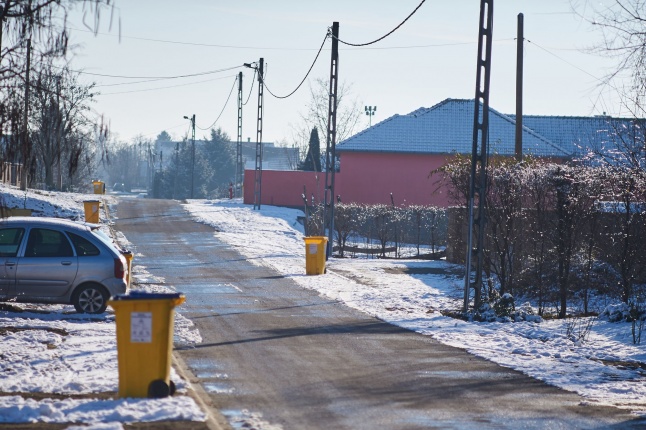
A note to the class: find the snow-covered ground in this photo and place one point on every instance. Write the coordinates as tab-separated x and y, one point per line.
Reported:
60	352
55	361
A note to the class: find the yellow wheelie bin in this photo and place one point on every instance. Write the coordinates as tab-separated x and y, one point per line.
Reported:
129	257
99	187
91	208
145	342
315	255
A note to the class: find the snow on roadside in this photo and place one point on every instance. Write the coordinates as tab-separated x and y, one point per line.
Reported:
387	290
50	349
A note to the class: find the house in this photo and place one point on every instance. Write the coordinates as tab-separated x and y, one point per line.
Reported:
393	161
274	157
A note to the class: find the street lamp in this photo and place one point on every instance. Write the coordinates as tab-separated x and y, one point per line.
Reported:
370	111
192	119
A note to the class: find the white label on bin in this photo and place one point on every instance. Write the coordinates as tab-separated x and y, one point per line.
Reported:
313	248
141	327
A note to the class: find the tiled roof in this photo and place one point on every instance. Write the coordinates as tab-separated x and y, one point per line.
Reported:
577	135
448	128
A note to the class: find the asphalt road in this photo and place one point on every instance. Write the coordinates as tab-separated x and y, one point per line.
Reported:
305	362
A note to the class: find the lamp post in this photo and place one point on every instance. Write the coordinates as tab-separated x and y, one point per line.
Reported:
370	111
192	119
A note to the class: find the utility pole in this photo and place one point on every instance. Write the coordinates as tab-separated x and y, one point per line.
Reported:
258	177
26	153
176	170
192	119
520	39
330	153
478	183
193	157
239	166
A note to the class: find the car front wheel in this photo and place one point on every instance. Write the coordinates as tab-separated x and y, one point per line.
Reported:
90	299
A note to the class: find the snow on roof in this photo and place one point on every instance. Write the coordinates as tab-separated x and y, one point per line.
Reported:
447	128
579	134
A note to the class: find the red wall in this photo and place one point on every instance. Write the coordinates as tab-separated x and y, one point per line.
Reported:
364	178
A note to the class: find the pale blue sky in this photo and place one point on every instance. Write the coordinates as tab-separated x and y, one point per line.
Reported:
432	57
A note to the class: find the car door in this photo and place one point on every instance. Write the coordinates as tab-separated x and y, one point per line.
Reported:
10	240
48	265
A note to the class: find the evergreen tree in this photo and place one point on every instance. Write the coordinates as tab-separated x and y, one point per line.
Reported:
163	137
313	160
216	165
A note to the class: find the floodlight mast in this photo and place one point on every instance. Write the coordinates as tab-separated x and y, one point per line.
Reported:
478	183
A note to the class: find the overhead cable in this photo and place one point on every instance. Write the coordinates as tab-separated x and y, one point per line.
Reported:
207	45
166	87
306	75
567	62
210	72
225	105
387	34
253	81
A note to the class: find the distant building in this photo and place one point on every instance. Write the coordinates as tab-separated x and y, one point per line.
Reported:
273	157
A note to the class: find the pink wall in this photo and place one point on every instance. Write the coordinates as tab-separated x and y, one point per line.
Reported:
371	177
284	187
364	178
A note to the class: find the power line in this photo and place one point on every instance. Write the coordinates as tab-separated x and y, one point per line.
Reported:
165	129
274	48
603	82
129	83
224	107
306	75
210	45
387	34
567	62
210	72
166	87
207	45
253	82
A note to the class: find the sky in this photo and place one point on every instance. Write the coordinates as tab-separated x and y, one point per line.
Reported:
428	59
39	359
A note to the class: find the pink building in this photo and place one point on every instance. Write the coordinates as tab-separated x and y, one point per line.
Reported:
398	154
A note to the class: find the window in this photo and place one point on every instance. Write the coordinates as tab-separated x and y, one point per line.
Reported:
84	248
10	239
48	243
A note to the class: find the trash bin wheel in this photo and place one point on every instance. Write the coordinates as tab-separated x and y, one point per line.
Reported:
158	389
173	388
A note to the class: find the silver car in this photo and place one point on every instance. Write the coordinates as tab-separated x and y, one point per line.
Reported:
52	260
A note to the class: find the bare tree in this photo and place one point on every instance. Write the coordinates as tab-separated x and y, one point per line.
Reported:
59	104
622	24
316	115
39	27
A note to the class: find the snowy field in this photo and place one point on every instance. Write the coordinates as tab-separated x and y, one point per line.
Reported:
65	358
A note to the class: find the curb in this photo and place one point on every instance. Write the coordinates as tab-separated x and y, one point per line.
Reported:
214	418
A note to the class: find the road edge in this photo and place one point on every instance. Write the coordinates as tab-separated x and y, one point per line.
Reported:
215	420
